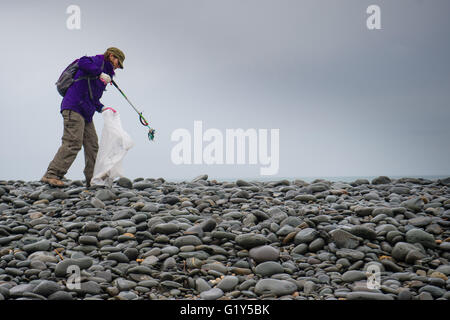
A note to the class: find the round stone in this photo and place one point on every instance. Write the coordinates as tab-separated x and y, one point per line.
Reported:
353	275
42	245
104	195
316	245
88	287
445	246
414	204
275	287
125	183
401	250
264	253
436	292
46	288
363	295
363	232
405	294
118	256
211	294
124	285
187	240
250	240
202	285
171	200
228	283
63	266
107	233
268	268
381	180
420	221
352	255
60	295
88	240
165	228
305	236
420	236
97	203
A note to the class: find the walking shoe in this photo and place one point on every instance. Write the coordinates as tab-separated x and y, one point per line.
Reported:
53	182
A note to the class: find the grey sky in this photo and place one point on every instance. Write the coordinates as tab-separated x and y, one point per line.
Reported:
348	101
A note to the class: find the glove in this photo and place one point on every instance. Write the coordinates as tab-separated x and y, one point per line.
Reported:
105	78
108	108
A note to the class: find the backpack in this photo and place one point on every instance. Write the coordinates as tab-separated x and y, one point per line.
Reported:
66	79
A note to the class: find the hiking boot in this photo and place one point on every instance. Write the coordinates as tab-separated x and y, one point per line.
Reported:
53	182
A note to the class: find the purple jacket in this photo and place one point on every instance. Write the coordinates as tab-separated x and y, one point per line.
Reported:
77	97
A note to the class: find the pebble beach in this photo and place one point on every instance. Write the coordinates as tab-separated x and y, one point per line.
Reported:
147	239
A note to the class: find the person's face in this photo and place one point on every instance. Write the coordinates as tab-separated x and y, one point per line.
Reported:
114	61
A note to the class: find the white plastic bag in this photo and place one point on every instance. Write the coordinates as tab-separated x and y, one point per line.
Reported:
114	145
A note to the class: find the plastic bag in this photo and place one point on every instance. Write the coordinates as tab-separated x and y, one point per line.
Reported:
114	145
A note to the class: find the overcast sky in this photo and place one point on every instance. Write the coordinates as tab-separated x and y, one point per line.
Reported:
348	101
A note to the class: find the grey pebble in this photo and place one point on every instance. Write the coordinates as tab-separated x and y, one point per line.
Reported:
211	294
353	275
264	253
42	245
268	268
228	283
61	269
107	233
202	285
250	240
363	295
46	288
187	240
419	236
60	295
275	287
305	236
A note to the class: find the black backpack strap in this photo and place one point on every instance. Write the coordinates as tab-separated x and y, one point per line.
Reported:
88	78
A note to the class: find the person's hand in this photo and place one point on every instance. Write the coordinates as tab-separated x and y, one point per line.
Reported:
105	78
108	108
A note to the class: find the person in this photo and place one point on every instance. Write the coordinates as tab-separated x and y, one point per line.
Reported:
78	107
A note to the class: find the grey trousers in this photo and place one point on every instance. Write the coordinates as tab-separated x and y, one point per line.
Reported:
77	133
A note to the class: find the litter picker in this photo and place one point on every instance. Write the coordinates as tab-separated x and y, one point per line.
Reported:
151	131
